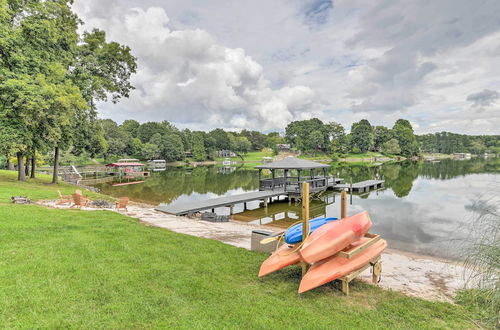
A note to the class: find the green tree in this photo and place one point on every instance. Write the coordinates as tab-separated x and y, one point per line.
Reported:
170	146
337	136
130	126
242	144
222	140
403	132
150	151
381	135
361	136
146	131
391	147
199	153
297	133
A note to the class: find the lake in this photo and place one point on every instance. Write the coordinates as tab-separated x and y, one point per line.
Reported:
425	207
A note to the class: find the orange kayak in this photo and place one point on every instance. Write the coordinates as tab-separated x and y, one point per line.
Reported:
334	236
335	267
286	255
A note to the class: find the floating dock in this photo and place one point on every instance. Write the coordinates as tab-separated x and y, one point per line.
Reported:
362	186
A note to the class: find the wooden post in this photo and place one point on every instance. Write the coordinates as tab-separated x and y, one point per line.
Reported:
343	204
305	219
350	190
272	185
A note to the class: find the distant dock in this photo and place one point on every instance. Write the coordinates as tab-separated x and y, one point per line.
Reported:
362	186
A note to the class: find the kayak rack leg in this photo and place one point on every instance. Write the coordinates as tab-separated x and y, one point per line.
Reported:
376	265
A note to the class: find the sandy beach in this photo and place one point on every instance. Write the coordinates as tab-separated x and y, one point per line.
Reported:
418	276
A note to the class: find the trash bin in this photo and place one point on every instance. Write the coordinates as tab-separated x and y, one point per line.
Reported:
257	236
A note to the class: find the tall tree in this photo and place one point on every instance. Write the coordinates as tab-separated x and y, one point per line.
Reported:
337	137
361	136
198	146
403	133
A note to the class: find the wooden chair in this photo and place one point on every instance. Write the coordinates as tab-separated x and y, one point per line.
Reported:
79	200
63	199
122	203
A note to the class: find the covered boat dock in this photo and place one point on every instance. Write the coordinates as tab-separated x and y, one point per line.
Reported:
288	185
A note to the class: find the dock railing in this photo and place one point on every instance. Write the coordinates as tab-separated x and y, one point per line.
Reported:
293	184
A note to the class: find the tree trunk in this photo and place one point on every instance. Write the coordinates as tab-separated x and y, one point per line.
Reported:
20	167
33	167
10	166
27	167
55	176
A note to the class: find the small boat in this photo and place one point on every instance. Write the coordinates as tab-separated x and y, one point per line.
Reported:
293	235
336	266
286	255
334	236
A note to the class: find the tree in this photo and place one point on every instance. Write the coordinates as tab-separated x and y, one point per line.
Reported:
170	146
362	136
241	144
130	126
150	151
316	140
337	137
382	135
198	147
297	133
391	147
222	141
403	132
146	131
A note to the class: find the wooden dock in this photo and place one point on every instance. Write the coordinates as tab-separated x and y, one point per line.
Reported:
226	201
263	195
362	186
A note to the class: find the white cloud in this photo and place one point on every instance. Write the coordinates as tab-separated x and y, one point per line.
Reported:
260	64
187	76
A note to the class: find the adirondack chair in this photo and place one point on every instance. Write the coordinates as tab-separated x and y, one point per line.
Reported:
79	200
63	199
122	203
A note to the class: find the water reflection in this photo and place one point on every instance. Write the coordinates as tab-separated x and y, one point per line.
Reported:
425	207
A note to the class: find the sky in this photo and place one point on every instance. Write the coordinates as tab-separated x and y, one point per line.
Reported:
260	64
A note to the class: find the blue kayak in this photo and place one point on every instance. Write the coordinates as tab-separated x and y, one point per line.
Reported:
294	234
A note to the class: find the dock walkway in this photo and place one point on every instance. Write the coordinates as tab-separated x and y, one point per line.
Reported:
362	186
229	201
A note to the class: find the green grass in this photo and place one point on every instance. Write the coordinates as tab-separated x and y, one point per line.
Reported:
99	269
36	189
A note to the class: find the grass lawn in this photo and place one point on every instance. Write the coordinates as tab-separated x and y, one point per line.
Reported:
99	269
36	189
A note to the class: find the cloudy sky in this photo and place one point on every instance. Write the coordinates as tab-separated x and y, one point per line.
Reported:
259	64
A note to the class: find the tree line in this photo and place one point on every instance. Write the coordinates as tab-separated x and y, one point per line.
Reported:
162	140
310	136
449	143
313	135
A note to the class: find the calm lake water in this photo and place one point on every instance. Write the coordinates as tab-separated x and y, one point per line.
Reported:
425	207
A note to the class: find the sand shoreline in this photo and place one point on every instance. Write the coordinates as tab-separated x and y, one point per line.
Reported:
425	277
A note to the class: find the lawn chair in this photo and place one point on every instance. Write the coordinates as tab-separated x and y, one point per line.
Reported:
63	199
79	200
122	203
